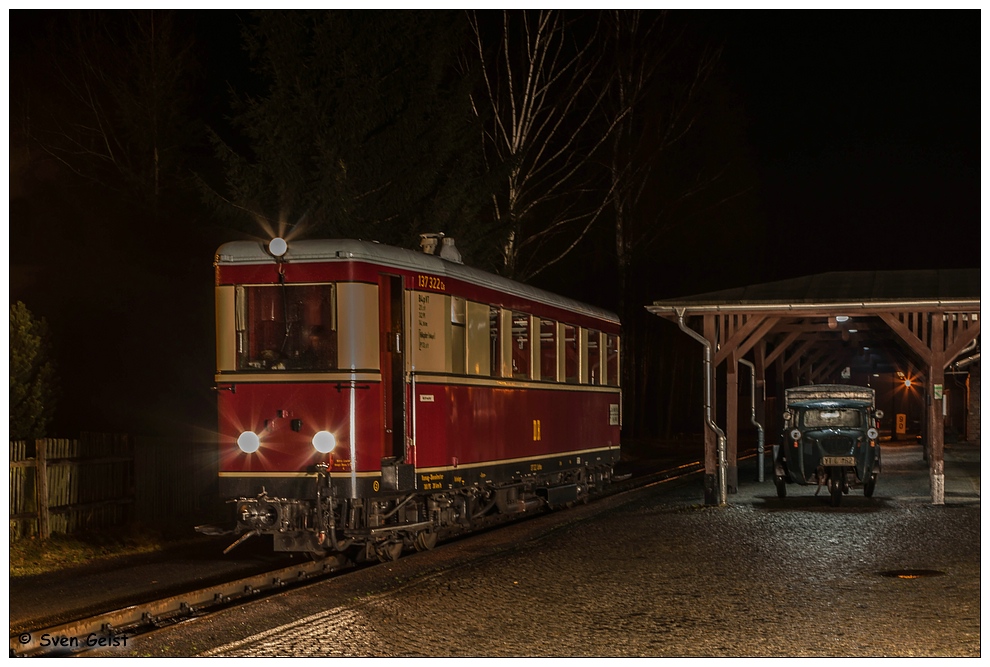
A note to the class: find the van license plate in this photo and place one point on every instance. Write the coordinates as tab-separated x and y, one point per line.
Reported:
838	461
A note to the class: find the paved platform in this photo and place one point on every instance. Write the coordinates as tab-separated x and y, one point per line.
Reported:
905	477
656	573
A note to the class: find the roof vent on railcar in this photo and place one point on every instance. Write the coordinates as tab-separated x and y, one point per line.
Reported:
447	250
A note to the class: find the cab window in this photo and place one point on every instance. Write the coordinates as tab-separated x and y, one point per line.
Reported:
285	327
832	418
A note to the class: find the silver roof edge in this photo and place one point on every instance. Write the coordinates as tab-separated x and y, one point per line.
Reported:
328	250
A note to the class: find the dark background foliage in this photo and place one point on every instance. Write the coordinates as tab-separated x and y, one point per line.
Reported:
140	141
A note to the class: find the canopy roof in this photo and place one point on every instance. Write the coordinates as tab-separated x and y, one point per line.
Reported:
819	328
945	288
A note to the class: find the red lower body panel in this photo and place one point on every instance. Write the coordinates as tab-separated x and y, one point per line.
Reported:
287	415
460	424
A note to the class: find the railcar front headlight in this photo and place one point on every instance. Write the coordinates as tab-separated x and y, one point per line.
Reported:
278	246
249	442
324	442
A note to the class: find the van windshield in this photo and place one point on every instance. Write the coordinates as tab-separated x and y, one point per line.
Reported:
832	418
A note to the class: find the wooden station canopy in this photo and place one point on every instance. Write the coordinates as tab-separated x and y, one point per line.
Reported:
809	329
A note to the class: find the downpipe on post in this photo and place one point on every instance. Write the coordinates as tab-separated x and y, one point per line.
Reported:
722	463
752	412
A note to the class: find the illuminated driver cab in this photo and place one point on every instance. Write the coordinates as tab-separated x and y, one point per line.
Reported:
290	410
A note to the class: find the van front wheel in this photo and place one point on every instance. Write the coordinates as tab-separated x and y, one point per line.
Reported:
870	486
835	488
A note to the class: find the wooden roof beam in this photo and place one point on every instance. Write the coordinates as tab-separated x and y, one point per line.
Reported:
745	338
962	339
781	348
797	354
908	337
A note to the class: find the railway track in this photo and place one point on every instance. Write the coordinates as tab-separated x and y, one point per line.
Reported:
114	629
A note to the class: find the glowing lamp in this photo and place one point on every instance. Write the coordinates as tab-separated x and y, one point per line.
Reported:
278	246
249	442
324	442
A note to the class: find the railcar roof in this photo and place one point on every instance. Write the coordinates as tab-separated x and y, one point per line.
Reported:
331	250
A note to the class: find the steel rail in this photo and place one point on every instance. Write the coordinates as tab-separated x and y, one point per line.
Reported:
114	628
110	628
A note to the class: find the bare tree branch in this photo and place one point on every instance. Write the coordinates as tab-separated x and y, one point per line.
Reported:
545	125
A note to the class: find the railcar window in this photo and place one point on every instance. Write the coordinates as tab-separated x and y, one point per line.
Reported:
286	327
478	339
496	348
612	352
548	350
572	352
832	418
521	351
458	335
594	357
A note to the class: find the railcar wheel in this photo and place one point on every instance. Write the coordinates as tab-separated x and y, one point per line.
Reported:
835	488
870	486
781	485
425	540
388	552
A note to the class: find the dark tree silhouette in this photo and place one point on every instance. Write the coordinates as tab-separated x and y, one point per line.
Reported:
33	388
360	128
119	113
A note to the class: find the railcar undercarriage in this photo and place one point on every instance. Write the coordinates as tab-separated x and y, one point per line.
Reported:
383	527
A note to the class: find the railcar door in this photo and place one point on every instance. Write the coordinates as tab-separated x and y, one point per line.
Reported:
393	382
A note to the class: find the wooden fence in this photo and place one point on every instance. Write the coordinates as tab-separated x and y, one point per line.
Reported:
99	481
63	486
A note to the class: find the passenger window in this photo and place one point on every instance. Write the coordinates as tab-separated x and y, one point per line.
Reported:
571	346
521	350
458	335
479	340
594	357
548	350
496	341
612	351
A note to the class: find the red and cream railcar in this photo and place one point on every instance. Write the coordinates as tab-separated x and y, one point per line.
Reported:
372	398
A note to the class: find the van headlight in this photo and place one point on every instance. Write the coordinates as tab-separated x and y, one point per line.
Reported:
324	442
872	434
249	442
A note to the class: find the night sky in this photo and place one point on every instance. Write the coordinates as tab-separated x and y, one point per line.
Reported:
858	132
864	125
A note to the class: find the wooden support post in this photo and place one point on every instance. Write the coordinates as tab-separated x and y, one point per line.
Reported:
711	438
732	422
41	484
936	418
759	363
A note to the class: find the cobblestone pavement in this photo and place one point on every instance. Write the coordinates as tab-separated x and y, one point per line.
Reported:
656	574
